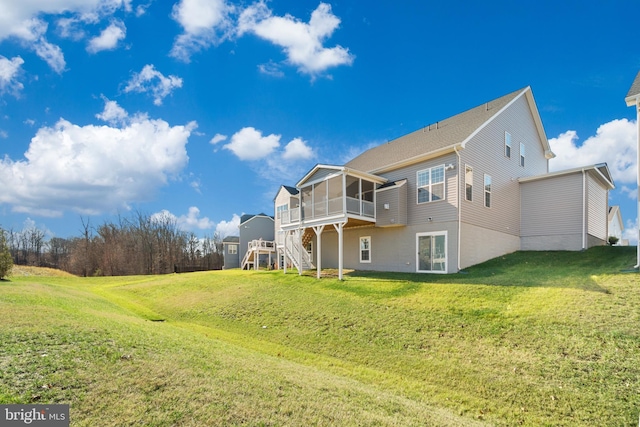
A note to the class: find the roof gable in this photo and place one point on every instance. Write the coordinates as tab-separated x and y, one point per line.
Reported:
323	171
444	136
614	213
292	191
246	217
634	92
600	171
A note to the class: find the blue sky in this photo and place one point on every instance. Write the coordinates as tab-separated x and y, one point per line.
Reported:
202	108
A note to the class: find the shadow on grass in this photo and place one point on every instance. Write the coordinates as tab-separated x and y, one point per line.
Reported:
562	269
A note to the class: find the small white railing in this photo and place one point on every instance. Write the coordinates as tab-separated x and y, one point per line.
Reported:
261	244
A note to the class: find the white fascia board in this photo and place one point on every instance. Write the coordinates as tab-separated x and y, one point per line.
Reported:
632	100
314	169
590	168
257	216
418	159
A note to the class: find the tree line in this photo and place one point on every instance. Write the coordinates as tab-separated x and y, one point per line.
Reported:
138	244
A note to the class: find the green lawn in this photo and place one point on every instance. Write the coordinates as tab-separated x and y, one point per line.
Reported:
549	338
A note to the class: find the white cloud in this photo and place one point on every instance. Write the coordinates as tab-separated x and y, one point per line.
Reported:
141	9
297	148
70	28
92	169
23	20
630	231
632	193
153	81
271	69
275	165
32	34
302	42
193	220
9	71
614	143
218	138
108	38
228	228
189	222
112	113
204	22
249	144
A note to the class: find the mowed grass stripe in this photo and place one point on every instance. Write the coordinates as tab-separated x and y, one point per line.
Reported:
116	369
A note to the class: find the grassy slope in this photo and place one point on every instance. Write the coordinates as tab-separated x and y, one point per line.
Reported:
530	338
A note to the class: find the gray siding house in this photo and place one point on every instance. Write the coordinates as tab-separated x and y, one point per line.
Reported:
230	245
254	246
445	197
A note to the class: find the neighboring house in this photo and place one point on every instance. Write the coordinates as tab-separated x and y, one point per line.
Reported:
231	245
616	226
453	194
254	246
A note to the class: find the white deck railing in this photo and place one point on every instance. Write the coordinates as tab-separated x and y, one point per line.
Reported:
266	245
330	207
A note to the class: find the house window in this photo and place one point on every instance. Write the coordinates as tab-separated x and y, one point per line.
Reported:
487	190
432	252
507	145
521	154
431	184
280	209
468	182
233	249
365	249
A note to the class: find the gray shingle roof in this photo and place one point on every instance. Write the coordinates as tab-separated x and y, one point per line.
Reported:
246	217
436	137
634	90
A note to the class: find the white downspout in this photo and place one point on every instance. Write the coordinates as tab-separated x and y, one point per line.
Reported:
584	210
638	179
459	207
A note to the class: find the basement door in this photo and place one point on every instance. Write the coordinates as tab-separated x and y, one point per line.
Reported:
431	252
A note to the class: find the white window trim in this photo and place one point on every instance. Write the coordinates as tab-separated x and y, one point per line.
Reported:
444	184
360	249
446	251
280	209
465	182
233	250
522	155
507	143
484	188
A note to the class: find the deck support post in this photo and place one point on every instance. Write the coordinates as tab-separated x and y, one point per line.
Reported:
318	230
284	258
339	228
300	249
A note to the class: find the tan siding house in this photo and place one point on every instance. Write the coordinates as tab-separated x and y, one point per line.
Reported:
565	210
444	197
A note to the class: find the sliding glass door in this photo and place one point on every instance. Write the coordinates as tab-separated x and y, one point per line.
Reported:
432	252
